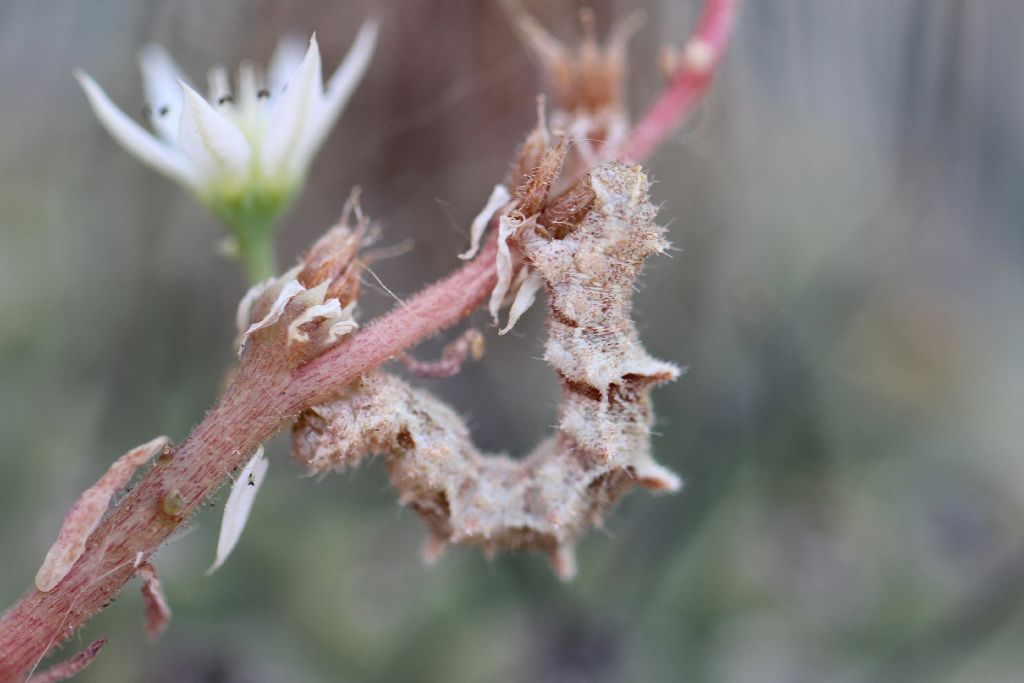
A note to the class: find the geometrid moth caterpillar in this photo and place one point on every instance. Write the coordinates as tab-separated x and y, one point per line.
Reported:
587	245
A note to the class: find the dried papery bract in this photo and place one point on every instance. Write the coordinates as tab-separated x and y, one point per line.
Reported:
65	670
88	510
470	344
547	500
158	612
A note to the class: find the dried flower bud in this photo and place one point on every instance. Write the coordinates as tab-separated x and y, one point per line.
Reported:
533	209
311	306
334	257
592	78
587	84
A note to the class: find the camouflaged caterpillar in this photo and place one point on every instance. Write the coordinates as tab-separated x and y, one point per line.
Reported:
587	245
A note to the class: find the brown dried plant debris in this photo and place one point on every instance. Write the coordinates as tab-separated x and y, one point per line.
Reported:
158	612
589	77
538	204
601	448
469	344
70	667
296	316
587	83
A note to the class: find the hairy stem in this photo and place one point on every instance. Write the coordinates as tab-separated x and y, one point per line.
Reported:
255	406
258	404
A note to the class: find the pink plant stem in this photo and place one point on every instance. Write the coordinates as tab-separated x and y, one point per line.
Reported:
255	407
700	57
258	404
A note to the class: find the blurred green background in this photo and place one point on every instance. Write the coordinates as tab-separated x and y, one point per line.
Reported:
848	296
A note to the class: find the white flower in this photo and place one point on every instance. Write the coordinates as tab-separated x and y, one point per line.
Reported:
242	152
239	504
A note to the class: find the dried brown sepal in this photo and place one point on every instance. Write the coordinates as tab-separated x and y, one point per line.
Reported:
158	612
533	150
545	501
67	669
88	510
533	188
563	213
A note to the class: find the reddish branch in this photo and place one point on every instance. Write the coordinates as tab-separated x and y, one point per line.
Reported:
700	57
258	404
254	407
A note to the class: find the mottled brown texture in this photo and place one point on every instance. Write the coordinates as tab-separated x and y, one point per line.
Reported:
545	501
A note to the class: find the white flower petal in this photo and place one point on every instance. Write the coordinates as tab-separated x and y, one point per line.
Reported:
210	139
135	138
348	74
160	76
284	63
291	289
248	106
238	506
499	197
507	225
345	324
525	297
218	85
314	296
245	305
339	89
340	329
292	115
329	309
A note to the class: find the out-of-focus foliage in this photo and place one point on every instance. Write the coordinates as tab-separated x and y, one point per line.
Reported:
847	294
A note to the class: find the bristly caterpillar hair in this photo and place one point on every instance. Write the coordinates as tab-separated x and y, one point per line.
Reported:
601	448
